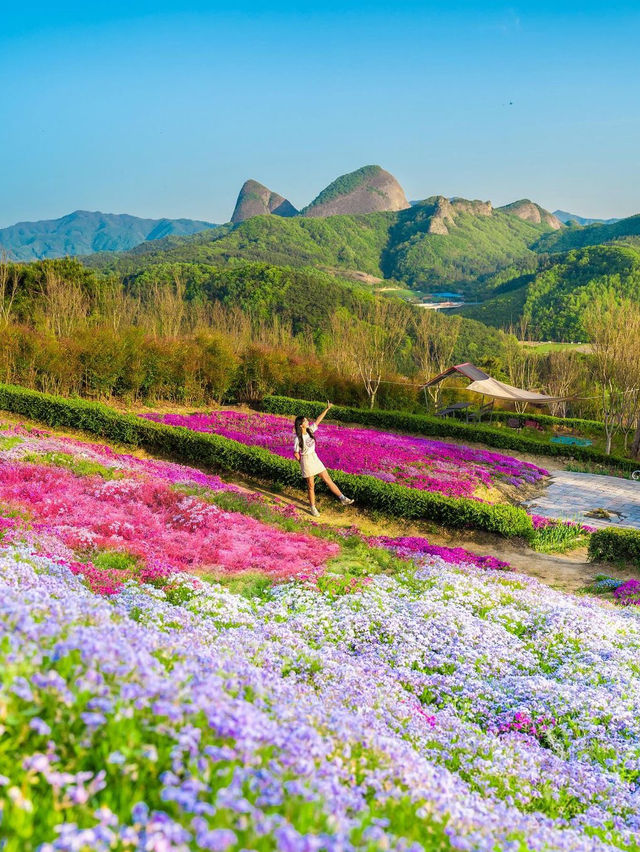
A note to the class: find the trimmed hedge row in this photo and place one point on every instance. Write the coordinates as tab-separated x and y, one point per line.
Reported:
612	545
218	452
550	420
443	427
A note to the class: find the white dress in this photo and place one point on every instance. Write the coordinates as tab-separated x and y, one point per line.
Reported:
310	464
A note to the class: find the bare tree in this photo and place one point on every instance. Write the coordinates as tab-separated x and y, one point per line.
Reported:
166	306
370	341
564	370
436	337
9	278
522	367
65	303
614	330
231	321
117	308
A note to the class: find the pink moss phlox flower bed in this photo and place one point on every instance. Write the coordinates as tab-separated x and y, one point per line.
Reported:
415	547
541	522
628	593
524	723
138	513
41	441
167	531
451	469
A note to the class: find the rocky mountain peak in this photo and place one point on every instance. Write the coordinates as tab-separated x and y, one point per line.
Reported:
532	212
255	199
369	189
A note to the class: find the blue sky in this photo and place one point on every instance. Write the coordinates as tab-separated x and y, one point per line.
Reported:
158	110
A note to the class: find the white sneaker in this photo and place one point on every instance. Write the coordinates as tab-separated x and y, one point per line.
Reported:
313	511
346	501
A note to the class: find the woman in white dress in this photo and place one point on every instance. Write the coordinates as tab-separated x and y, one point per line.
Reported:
304	450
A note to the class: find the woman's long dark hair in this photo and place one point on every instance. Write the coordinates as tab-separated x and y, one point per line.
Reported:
298	429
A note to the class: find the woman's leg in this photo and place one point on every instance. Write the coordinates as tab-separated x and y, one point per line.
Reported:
333	488
311	490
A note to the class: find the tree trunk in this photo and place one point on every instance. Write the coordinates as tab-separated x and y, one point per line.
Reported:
635	446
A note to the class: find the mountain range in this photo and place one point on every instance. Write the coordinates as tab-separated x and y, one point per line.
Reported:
565	218
514	261
365	191
84	232
423	245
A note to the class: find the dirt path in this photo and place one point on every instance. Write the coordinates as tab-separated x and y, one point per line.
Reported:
570	572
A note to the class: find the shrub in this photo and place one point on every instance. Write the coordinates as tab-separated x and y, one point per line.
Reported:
215	451
548	420
615	546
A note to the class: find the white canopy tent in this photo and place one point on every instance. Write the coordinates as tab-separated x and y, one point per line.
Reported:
484	384
499	390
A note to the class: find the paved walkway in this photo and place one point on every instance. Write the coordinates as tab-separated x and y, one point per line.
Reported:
570	495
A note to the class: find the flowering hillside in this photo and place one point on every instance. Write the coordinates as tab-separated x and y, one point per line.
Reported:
380	693
451	469
445	708
80	501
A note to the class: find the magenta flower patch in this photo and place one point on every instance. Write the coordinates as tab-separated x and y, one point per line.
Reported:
451	469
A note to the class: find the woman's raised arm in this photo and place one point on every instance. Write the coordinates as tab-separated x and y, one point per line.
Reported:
324	413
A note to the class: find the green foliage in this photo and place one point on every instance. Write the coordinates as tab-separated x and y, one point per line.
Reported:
440	427
559	537
591	235
81	467
558	296
555	297
216	452
501	311
337	585
344	242
115	560
478	343
249	584
476	245
611	545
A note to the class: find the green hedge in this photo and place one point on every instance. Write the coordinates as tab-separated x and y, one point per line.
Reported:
614	545
214	451
444	427
591	426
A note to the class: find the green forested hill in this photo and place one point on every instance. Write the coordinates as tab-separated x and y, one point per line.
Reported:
511	266
589	235
558	296
433	243
555	297
474	245
346	242
304	297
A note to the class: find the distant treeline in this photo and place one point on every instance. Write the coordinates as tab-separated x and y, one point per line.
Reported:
194	332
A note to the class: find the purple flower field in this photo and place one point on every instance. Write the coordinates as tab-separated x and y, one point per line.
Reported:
435	702
451	469
443	708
